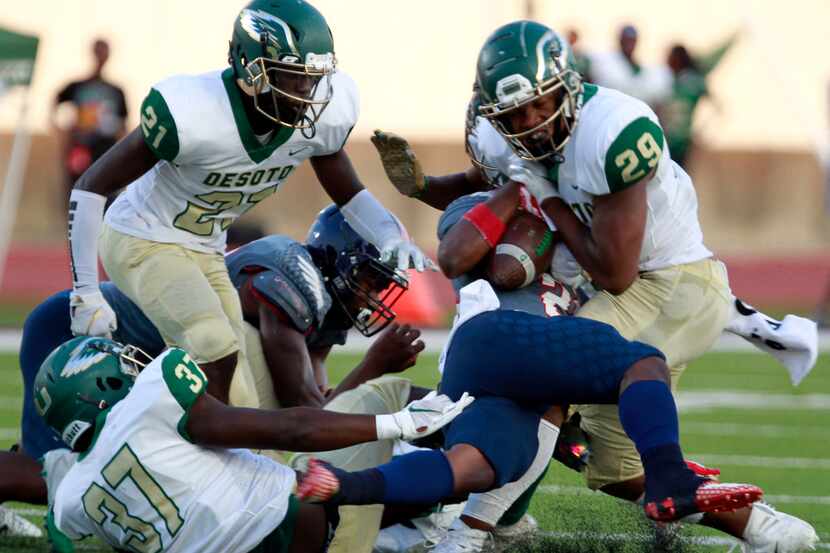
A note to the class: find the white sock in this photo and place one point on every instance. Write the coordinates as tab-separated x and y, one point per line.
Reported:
489	507
793	341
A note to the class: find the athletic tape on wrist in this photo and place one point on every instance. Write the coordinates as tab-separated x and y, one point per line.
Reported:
486	223
387	427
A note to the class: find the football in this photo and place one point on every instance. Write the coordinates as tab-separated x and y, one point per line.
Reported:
524	252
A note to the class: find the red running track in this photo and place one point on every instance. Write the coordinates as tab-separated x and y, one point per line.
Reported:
797	282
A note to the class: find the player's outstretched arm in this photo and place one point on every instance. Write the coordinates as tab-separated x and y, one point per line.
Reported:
118	167
365	214
212	423
478	232
405	172
394	351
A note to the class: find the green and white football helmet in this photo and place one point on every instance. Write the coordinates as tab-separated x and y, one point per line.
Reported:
520	63
81	378
283	50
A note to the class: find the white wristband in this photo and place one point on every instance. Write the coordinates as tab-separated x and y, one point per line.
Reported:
387	427
371	220
86	211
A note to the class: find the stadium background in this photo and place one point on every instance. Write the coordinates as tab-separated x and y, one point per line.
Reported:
758	170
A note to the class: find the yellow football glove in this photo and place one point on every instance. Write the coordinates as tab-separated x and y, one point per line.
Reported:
400	163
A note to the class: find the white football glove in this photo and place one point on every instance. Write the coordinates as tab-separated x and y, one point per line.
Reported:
91	315
540	187
406	254
565	268
421	417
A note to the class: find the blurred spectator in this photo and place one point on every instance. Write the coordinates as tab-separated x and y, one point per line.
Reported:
621	70
582	62
99	118
688	87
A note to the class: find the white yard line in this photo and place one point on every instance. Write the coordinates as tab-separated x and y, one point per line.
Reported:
715	459
8	403
762	430
435	339
9	340
611	537
9	433
633	537
733	399
771	498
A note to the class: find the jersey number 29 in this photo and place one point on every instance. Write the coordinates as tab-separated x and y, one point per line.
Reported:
629	161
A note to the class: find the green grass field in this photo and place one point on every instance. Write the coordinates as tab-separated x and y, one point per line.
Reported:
743	416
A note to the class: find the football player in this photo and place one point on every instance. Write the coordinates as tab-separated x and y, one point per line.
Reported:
763	527
595	160
209	148
290	329
533	362
156	470
298	301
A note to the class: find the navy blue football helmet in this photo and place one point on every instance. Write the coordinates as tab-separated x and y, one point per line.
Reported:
364	288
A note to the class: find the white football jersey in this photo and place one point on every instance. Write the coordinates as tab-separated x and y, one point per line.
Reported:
212	166
616	142
143	486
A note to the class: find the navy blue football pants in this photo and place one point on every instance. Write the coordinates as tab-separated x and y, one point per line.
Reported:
47	327
517	366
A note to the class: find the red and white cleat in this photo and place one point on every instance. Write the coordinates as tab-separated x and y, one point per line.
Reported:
701	470
709	497
317	484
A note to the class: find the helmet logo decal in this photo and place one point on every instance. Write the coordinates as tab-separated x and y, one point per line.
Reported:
553	48
312	278
255	22
43	401
81	362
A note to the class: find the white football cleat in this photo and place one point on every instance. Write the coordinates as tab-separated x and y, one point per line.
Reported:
14	525
505	536
398	539
769	531
460	538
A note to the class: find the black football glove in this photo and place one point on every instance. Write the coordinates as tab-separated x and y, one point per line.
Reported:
573	448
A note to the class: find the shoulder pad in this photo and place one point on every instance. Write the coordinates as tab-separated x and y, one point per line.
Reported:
275	288
456	210
296	263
